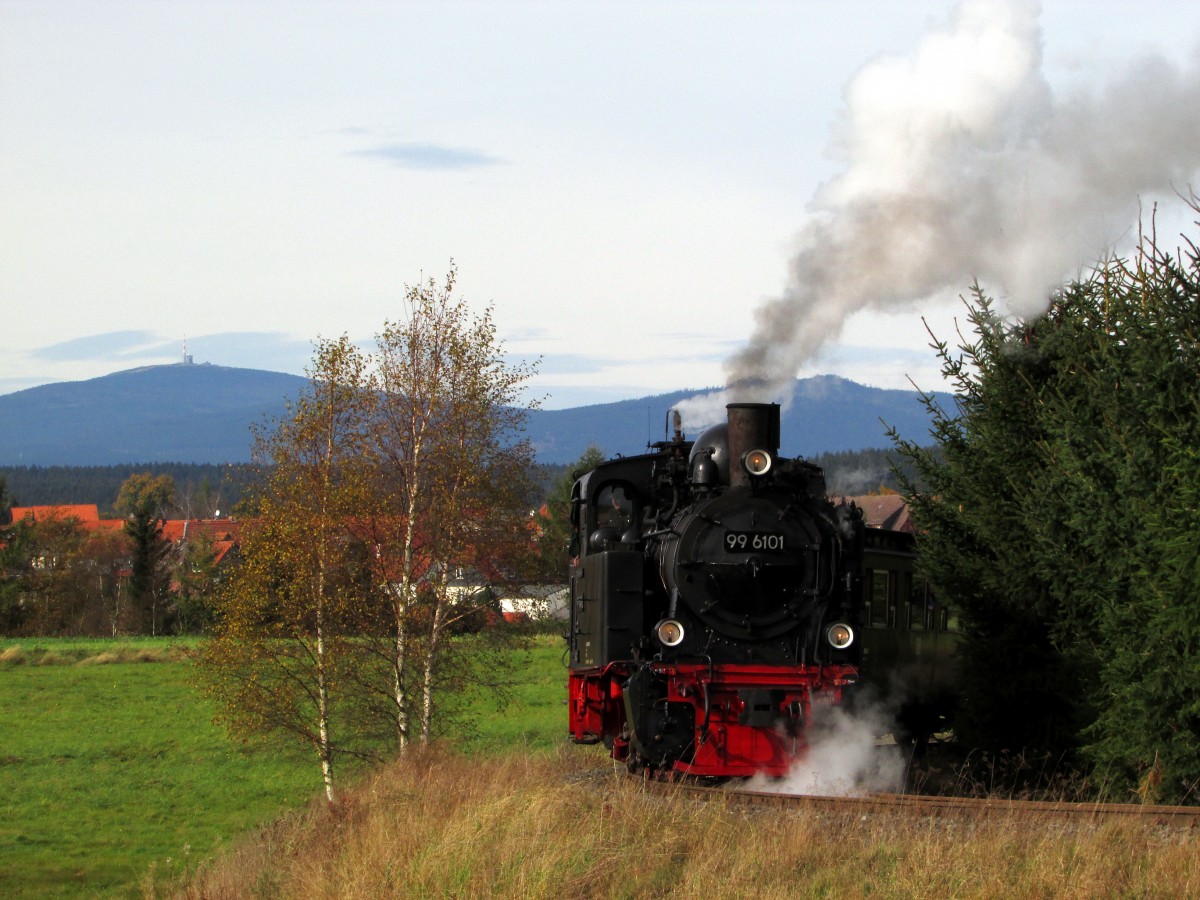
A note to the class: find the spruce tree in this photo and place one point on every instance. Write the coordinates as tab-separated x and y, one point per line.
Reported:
1021	690
144	500
1060	520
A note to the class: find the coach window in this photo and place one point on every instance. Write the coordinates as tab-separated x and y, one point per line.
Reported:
918	599
942	617
880	598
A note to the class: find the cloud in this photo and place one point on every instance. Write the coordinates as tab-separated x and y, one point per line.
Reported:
536	333
578	364
848	357
570	396
573	364
97	346
429	156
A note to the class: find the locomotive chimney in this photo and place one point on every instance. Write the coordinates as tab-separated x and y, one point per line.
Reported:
752	426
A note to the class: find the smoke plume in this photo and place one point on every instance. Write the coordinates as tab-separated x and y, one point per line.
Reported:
960	163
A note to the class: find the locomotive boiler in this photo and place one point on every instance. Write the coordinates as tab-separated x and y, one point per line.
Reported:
715	596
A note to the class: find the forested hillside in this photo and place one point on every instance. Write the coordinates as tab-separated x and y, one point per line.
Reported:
204	414
176	413
201	489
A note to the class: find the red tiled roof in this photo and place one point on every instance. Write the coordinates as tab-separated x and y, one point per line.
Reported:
221	550
884	511
86	514
216	529
222	532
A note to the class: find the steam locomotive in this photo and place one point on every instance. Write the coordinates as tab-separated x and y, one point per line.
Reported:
719	600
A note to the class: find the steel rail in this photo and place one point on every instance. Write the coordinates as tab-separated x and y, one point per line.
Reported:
934	805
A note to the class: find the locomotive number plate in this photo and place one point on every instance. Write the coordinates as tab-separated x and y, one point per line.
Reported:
756	541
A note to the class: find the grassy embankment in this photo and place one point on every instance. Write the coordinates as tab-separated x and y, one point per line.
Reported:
570	826
113	776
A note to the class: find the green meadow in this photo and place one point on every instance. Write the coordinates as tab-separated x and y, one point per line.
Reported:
114	779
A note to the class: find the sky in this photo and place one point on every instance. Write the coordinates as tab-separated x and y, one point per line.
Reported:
649	195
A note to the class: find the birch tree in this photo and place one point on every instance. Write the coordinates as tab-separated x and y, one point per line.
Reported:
288	616
452	477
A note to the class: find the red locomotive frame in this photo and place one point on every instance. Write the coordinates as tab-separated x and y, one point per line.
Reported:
724	746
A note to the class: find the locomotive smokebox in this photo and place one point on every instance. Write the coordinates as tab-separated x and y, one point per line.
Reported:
752	426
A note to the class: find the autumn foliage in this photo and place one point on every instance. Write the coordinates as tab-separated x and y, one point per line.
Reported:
397	500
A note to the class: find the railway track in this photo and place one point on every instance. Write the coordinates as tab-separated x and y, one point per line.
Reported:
919	805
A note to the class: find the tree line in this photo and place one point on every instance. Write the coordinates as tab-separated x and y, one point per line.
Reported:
201	489
873	470
1061	515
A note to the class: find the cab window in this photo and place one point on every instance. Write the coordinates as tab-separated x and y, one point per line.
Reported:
614	507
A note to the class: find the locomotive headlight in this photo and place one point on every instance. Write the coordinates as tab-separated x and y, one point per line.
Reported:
757	462
840	635
669	632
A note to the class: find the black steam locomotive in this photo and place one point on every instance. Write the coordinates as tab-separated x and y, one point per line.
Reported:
718	599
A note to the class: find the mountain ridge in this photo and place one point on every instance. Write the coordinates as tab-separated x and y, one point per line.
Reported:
202	413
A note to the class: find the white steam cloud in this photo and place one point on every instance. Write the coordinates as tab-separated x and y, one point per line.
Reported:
843	758
961	163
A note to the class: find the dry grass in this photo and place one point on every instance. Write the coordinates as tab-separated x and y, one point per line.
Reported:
448	826
134	655
64	654
12	656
